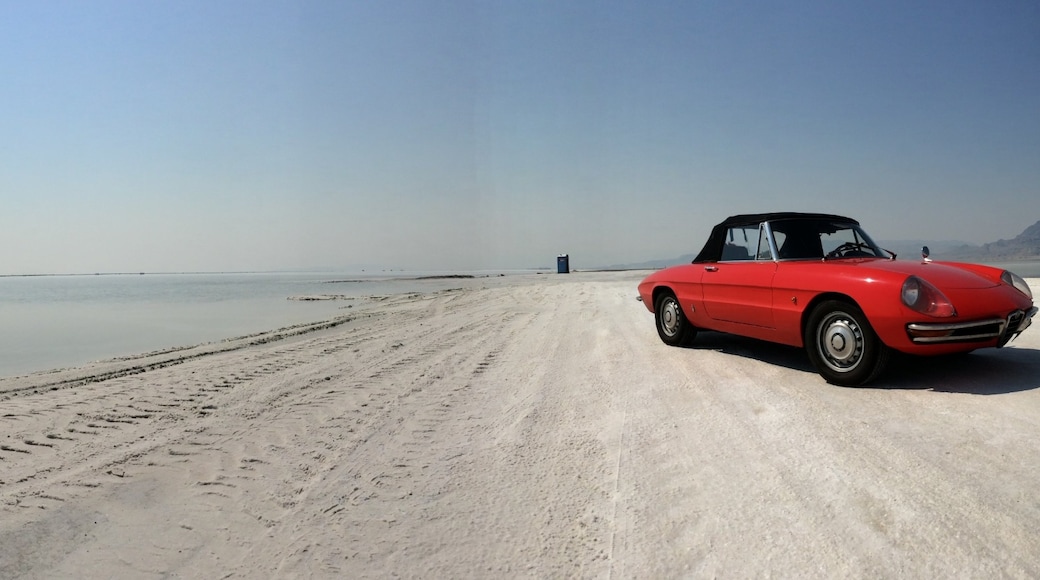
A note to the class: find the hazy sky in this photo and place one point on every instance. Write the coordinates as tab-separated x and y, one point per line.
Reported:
218	135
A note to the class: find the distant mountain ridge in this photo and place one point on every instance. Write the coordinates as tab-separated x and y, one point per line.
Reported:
911	249
1024	246
652	264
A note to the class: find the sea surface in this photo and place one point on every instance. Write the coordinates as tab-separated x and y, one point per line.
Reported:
49	322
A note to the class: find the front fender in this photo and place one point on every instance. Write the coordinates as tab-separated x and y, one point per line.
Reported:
682	281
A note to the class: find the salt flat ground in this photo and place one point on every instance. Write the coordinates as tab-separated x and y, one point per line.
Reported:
530	426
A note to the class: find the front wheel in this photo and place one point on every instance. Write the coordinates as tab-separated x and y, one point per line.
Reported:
672	325
842	345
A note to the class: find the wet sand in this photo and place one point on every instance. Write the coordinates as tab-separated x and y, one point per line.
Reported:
532	427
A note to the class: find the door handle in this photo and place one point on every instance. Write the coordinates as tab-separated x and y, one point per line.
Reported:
711	269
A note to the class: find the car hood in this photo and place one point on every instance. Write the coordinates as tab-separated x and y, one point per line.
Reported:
942	275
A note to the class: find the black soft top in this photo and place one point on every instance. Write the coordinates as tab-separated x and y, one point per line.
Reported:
712	251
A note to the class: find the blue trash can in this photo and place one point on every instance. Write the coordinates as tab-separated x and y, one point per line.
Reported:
563	264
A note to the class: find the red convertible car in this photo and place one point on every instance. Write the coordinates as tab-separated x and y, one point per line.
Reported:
818	281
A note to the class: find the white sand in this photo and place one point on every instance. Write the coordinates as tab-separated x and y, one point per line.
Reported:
533	428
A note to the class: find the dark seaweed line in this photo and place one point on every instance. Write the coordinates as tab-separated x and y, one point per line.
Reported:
257	339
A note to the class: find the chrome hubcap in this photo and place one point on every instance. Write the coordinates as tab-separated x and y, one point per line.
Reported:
840	342
670	317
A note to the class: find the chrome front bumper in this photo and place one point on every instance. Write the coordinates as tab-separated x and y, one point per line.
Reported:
1003	329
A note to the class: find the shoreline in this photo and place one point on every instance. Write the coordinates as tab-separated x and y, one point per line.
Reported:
357	304
123	366
60	322
374	274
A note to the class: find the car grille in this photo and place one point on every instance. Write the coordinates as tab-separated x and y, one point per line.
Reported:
1016	318
976	331
1014	322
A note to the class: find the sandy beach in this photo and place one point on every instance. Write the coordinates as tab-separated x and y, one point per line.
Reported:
526	426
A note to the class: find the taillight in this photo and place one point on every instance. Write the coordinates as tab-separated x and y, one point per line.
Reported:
922	297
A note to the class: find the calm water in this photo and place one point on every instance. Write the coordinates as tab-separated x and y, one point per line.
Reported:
59	321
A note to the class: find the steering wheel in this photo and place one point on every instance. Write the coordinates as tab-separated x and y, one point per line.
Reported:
844	249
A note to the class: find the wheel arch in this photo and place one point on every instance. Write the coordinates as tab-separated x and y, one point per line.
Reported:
661	290
840	364
821	297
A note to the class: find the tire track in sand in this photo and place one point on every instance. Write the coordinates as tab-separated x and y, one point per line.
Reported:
77	434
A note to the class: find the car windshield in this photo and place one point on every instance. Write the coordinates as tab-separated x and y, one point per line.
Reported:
802	239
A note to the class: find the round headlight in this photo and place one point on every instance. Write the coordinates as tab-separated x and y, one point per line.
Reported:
919	295
1013	279
911	291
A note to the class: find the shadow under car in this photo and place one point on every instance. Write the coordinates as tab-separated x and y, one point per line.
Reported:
988	371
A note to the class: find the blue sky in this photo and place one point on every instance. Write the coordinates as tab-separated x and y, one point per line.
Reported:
217	136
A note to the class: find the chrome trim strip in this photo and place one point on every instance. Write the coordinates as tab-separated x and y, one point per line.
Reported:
926	327
772	242
965	338
955	326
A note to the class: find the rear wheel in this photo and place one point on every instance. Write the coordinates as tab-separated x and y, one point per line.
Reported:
672	325
842	345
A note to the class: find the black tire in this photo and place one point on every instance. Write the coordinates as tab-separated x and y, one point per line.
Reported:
672	325
843	346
